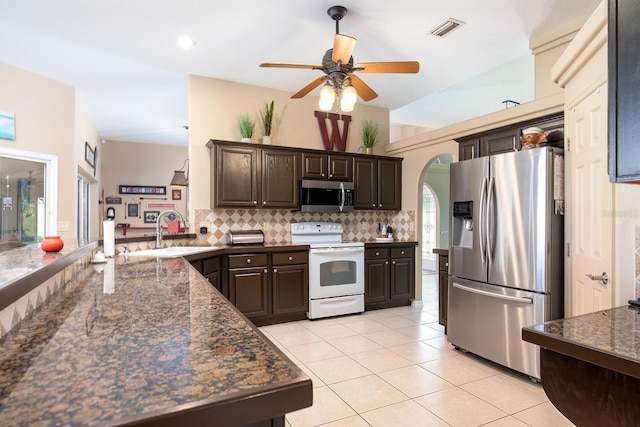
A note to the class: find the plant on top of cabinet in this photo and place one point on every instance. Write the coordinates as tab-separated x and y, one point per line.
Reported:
369	132
267	121
246	126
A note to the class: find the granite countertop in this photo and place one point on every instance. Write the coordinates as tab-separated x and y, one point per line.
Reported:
608	338
143	340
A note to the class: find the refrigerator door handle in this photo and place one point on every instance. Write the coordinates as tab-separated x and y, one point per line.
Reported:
490	220
523	300
481	230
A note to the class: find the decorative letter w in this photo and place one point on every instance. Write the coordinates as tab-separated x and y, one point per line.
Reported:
337	139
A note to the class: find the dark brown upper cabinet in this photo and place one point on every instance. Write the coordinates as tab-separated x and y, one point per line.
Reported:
334	167
624	91
256	177
507	138
378	183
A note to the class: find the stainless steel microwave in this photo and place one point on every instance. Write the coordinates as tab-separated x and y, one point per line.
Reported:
326	196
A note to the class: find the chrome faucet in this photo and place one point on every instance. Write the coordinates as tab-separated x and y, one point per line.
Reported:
159	228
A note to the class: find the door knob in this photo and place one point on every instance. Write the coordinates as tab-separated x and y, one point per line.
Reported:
604	277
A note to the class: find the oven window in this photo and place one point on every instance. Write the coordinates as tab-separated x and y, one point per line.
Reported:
336	273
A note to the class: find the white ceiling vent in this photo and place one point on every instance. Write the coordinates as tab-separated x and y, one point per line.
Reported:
446	27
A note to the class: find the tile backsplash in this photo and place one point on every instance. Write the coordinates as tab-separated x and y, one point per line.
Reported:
358	225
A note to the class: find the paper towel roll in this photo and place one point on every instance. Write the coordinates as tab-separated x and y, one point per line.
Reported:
109	285
108	239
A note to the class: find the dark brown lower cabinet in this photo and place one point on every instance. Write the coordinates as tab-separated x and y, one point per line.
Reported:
376	277
270	288
211	269
389	276
402	275
211	272
290	283
443	283
248	284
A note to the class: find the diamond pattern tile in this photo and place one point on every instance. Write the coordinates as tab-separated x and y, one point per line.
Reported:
358	225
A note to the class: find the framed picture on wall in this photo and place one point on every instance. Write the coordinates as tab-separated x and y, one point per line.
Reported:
176	194
151	216
132	209
89	155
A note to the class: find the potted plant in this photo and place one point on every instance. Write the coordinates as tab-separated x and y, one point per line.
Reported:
369	133
267	121
246	125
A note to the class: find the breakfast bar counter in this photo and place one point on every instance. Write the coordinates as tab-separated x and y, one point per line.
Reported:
144	341
590	365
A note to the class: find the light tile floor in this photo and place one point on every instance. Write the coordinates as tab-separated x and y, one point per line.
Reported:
394	367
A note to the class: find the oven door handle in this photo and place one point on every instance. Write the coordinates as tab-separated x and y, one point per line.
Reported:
337	250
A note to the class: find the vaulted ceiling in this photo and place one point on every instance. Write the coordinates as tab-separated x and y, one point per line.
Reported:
123	56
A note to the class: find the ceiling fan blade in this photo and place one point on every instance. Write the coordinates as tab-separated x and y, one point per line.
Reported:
388	67
364	91
273	65
342	48
308	88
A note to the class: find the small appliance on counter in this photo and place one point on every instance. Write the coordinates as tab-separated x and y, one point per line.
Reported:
385	234
246	237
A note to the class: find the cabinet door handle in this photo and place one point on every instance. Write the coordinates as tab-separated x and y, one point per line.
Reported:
290	258
264	202
378	253
373	204
446	264
275	270
393	262
330	175
255	202
248	260
386	262
265	270
402	252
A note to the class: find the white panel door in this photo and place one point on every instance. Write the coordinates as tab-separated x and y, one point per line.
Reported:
590	205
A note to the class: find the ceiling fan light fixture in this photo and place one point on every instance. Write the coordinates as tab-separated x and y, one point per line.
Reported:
348	99
327	97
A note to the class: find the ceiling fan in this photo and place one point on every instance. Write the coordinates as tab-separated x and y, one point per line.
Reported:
337	64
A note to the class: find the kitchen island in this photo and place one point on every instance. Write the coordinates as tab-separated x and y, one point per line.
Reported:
590	365
144	341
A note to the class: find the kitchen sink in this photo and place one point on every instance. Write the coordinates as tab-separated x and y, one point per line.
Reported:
170	252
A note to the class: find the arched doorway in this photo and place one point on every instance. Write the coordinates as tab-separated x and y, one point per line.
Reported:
434	217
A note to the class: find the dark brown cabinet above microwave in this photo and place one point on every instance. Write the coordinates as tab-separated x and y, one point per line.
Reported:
249	176
334	167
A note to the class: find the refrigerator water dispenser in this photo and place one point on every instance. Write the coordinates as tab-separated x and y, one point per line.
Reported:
462	224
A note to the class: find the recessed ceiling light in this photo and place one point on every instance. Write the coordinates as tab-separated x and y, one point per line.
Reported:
186	42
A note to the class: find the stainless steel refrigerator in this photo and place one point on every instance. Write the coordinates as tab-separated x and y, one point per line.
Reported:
506	253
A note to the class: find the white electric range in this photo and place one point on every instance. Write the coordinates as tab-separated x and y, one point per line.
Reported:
336	269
